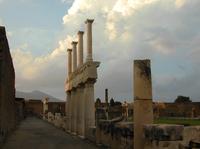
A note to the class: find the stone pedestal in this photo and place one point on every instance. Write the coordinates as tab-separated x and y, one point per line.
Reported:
143	110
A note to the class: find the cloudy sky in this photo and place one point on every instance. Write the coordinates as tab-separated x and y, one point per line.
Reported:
165	31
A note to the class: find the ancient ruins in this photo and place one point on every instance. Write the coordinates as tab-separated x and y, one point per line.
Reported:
110	125
80	110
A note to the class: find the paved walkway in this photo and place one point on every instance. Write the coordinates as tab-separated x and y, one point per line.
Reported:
34	133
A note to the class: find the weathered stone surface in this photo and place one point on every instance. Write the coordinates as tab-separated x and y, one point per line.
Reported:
143	107
163	132
115	133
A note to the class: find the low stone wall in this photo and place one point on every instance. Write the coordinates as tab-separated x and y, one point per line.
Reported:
115	134
119	135
172	137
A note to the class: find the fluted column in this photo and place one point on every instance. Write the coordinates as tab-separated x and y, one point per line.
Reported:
74	52
69	64
80	48
88	23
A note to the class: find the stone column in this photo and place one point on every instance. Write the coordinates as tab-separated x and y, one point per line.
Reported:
80	48
74	52
78	110
89	107
75	111
68	114
69	64
82	113
143	111
89	22
72	109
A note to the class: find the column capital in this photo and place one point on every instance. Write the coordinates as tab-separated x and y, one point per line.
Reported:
74	42
80	32
69	50
89	21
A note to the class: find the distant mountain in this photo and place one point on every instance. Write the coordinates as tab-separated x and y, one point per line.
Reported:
36	95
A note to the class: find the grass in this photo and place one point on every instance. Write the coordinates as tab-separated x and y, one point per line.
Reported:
179	121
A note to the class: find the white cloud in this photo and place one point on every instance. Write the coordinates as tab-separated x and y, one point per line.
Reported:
123	30
180	3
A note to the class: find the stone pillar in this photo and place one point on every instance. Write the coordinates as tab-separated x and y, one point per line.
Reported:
75	111
89	22
69	64
80	48
68	114
74	52
143	111
73	94
78	98
89	107
82	113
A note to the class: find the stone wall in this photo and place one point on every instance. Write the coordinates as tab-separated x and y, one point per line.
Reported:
119	135
34	107
7	88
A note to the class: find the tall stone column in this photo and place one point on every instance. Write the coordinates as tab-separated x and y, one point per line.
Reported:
143	111
72	109
82	112
75	111
89	107
68	114
78	109
80	48
89	39
74	52
69	64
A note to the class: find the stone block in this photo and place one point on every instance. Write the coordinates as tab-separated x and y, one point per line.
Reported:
163	132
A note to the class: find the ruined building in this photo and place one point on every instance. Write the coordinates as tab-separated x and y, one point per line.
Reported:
7	88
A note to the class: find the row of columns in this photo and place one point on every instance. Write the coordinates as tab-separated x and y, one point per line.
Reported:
76	60
80	99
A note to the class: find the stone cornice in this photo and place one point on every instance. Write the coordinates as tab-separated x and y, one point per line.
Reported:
83	74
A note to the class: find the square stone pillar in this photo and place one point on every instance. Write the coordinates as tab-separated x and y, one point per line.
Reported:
89	107
143	108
